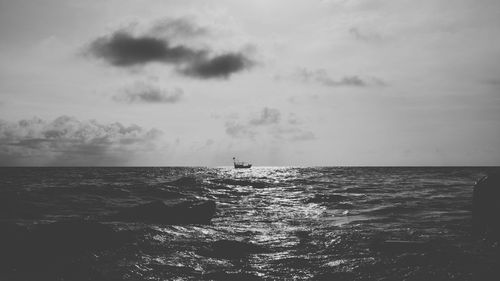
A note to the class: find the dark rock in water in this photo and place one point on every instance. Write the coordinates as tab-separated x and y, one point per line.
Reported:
159	212
231	249
486	207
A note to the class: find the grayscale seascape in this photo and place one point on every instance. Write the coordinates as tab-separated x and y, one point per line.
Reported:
342	140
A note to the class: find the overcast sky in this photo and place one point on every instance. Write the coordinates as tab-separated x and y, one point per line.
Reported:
312	82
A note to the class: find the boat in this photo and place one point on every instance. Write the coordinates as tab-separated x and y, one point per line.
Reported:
241	165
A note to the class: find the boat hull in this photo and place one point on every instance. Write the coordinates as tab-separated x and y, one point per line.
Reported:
242	166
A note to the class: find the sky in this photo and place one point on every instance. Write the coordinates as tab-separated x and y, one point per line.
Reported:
272	82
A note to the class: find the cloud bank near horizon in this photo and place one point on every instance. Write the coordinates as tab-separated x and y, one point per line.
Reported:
69	141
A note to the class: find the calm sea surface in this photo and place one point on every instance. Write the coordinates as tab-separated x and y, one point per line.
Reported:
286	223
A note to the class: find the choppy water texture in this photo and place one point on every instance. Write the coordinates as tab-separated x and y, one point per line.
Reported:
271	223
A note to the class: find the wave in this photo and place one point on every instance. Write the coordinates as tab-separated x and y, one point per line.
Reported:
394	209
188	181
159	212
326	198
254	184
231	249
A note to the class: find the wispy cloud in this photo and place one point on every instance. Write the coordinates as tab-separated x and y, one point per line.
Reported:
320	76
268	122
142	92
124	49
292	133
178	27
303	136
267	116
69	141
495	82
364	35
238	130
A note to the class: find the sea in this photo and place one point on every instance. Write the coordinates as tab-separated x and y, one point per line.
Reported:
270	223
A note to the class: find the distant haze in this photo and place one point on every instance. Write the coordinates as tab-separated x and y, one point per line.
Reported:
310	82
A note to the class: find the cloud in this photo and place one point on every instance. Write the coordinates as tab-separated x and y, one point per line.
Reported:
303	136
292	133
269	123
124	49
363	35
178	27
237	130
320	76
218	66
495	82
267	116
69	141
141	92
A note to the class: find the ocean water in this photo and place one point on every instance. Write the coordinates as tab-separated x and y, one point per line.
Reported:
271	223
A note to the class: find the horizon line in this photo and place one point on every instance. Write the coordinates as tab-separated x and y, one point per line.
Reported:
253	166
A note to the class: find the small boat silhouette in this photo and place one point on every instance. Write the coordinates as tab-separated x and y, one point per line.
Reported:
241	165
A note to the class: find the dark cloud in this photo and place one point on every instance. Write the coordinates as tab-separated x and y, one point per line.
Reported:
123	49
218	66
142	92
320	76
69	141
268	123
